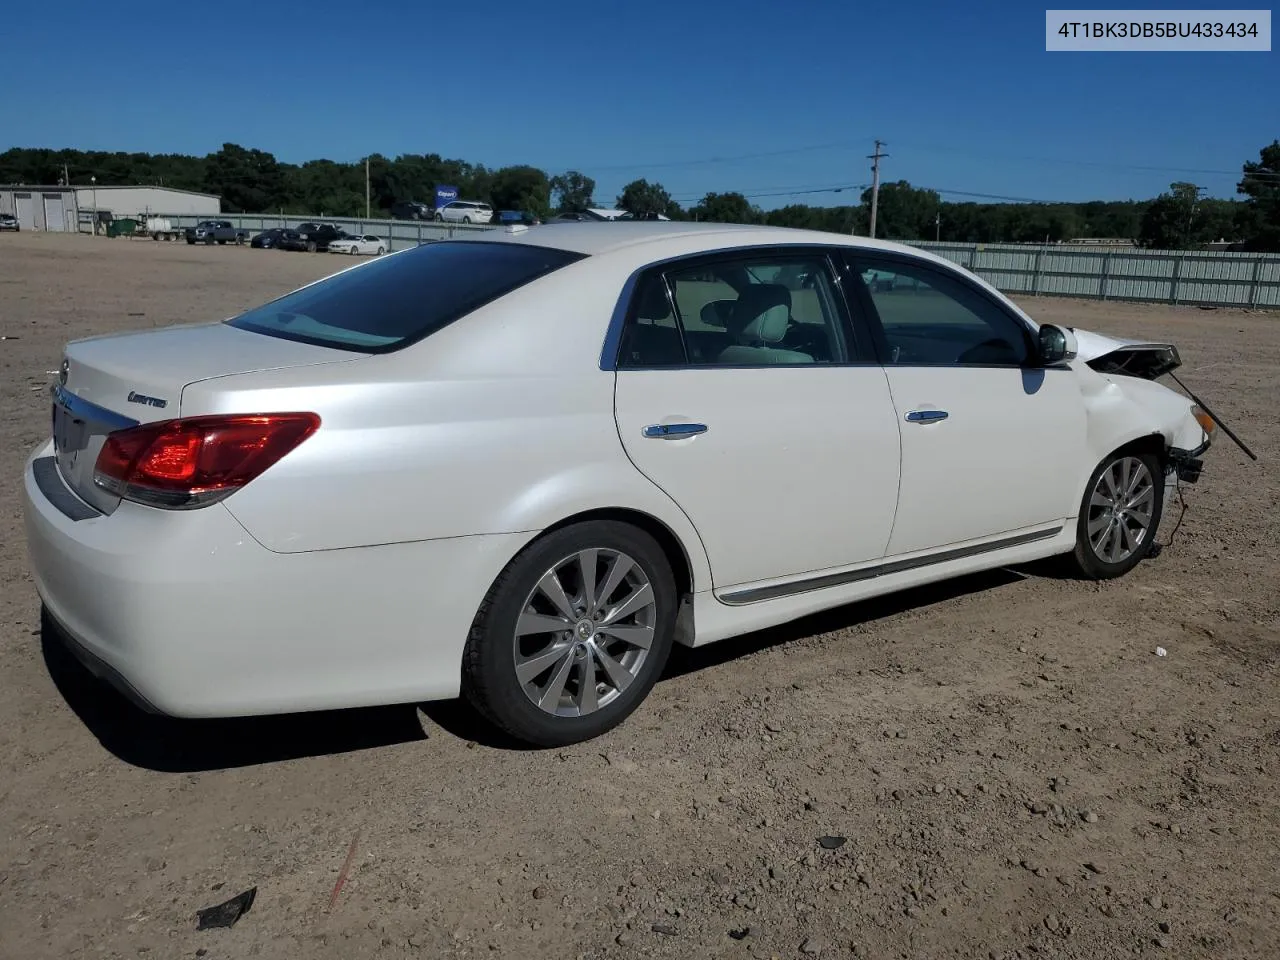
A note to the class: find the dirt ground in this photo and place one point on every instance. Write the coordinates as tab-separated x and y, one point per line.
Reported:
1015	771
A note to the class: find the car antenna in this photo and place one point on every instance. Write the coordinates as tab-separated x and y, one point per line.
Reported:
1205	407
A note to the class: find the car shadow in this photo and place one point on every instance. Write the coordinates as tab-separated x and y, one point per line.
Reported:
174	745
687	660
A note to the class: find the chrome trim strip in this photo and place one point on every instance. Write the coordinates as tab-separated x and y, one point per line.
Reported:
808	584
83	409
927	416
673	431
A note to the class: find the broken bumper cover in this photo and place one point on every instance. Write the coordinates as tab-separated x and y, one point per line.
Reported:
1186	465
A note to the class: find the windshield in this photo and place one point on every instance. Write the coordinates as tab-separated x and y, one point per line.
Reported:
389	303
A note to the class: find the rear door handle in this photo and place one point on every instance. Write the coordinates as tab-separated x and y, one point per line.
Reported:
927	416
673	431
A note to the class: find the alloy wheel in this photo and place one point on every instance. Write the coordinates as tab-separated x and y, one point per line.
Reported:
1121	507
584	632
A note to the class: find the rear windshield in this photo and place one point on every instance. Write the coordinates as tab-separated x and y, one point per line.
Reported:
389	303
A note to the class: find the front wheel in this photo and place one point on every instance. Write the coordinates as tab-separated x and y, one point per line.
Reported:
1119	515
311	246
352	251
573	634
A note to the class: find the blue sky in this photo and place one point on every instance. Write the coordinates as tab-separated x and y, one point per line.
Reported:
700	95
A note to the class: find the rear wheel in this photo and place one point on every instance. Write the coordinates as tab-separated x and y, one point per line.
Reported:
1119	515
381	251
573	634
311	246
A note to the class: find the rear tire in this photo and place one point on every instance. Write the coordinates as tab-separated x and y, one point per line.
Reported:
381	251
542	662
1119	515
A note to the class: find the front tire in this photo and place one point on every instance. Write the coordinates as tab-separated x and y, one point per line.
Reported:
1119	515
572	635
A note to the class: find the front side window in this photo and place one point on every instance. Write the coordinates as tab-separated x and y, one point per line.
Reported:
757	310
393	301
930	318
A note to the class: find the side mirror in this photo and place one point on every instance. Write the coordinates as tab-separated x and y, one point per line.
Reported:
1056	344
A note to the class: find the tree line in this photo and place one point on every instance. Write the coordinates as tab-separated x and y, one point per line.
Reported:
254	181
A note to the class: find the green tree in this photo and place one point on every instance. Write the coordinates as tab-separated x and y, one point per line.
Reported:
642	198
726	208
904	212
247	180
1169	222
573	191
520	188
1261	184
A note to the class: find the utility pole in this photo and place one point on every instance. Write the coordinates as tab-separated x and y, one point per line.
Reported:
366	188
1191	216
937	227
875	183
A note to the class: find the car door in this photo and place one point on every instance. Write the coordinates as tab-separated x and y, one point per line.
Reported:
745	394
992	441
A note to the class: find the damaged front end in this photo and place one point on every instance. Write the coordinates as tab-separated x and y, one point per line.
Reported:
1150	360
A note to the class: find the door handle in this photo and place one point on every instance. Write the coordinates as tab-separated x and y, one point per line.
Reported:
927	416
673	431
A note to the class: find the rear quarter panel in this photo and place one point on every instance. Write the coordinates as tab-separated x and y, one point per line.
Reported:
500	422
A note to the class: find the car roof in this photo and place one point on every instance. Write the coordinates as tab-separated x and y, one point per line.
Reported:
604	237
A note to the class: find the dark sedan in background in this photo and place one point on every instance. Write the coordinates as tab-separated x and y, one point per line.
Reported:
268	238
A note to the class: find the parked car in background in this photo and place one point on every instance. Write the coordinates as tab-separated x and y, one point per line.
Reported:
9	222
465	211
311	237
554	469
518	216
268	238
215	231
355	245
411	210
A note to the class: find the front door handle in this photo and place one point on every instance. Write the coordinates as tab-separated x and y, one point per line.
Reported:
673	431
927	416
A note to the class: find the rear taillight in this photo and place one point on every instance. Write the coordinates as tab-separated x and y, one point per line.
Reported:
193	462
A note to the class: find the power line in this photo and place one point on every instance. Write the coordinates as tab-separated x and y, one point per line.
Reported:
732	159
1070	161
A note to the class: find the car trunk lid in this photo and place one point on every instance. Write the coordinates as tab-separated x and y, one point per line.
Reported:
116	382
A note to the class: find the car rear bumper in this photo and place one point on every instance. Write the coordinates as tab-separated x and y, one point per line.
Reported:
190	616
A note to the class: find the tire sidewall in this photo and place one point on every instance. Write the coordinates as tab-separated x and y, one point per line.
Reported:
500	695
1092	565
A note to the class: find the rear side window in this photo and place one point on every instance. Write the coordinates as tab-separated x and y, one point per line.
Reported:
390	303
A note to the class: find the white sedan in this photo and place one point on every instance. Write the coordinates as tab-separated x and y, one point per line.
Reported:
520	467
357	245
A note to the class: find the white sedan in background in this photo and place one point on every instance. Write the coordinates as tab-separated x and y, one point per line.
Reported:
520	467
357	245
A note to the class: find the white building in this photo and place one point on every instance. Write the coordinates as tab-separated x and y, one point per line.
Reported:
40	208
144	201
